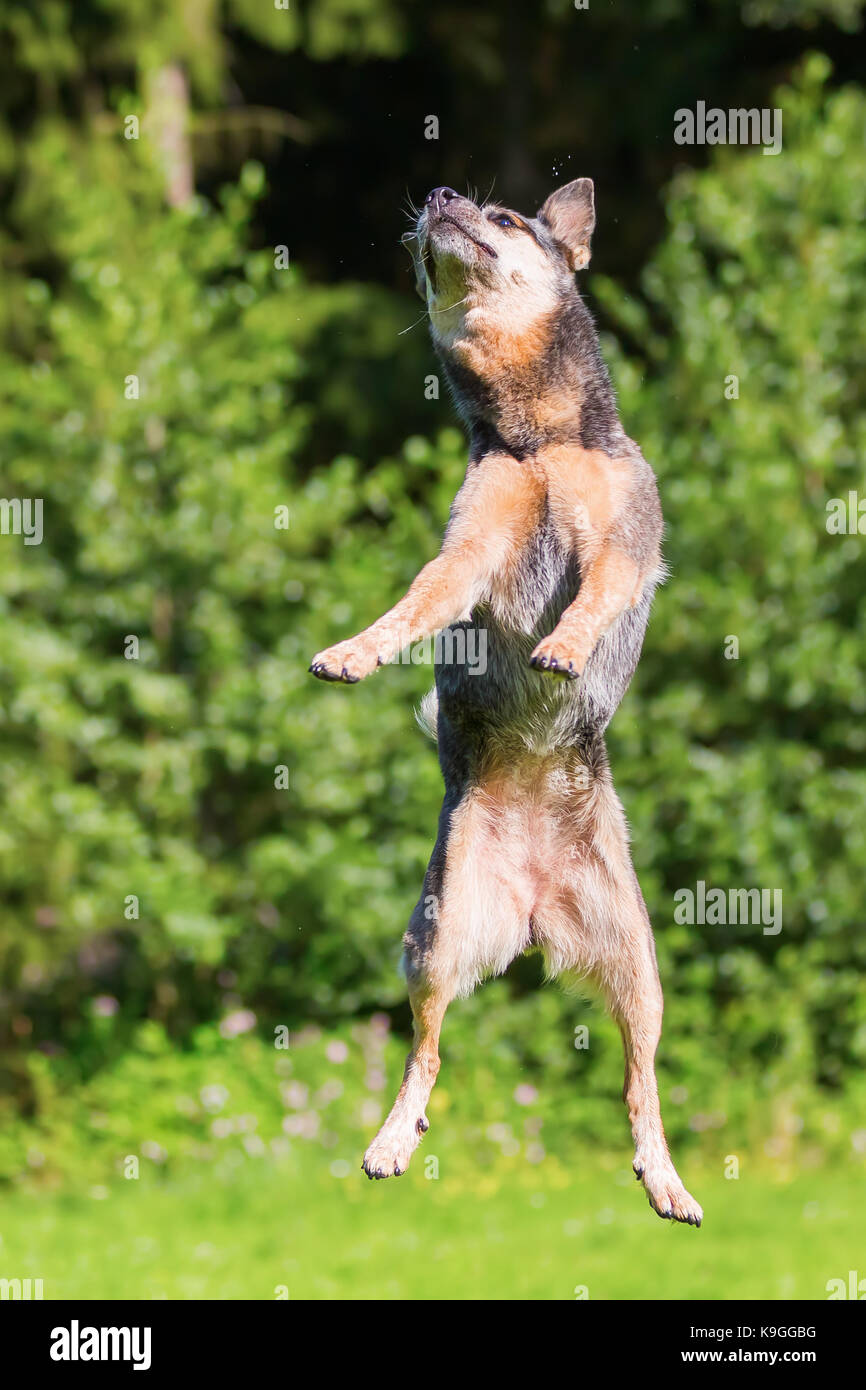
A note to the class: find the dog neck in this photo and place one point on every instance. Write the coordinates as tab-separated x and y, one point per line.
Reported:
525	389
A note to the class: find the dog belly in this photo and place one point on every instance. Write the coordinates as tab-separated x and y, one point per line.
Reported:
501	706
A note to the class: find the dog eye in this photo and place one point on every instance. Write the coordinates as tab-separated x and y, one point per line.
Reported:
503	220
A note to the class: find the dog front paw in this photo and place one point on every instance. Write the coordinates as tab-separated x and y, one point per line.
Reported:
349	662
550	658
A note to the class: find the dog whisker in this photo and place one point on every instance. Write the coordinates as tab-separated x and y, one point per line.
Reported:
412	325
449	307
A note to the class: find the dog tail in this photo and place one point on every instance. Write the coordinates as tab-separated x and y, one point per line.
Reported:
427	714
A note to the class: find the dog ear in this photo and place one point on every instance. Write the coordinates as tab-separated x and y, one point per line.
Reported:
570	215
413	246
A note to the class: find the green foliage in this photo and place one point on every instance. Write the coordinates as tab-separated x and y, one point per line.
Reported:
848	14
157	778
751	771
160	1109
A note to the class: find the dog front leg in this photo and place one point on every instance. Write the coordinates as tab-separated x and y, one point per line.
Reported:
610	585
442	592
492	515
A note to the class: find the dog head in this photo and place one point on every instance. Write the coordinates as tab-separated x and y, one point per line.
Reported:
491	269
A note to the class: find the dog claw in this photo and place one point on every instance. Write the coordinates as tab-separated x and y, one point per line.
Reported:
666	1195
554	666
318	668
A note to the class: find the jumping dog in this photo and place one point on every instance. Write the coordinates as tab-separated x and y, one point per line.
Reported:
553	550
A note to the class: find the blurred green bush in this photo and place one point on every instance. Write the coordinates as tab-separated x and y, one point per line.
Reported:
158	778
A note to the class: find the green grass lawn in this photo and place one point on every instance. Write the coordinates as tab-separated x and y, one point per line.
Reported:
509	1231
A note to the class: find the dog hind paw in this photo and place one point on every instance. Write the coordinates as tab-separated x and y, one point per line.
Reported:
389	1154
666	1194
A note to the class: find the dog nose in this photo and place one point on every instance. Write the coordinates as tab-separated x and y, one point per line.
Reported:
439	198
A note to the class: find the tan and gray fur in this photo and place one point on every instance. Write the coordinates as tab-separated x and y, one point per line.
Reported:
553	548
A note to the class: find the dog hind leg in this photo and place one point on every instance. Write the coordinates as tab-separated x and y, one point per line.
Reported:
472	920
595	925
389	1153
633	992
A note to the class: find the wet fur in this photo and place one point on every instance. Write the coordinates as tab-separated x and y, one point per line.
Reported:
553	549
